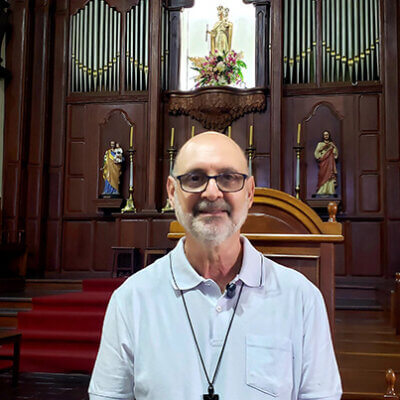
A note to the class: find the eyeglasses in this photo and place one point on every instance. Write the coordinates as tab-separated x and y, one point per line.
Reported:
197	182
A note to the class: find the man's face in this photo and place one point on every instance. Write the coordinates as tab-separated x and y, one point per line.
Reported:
112	144
211	216
326	136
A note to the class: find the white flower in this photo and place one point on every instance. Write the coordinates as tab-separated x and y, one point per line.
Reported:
220	66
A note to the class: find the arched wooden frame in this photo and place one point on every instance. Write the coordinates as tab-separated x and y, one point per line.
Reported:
262	16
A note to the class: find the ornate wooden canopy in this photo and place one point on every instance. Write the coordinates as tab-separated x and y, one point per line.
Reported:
217	107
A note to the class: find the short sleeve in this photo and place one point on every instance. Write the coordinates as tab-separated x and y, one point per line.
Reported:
320	374
112	376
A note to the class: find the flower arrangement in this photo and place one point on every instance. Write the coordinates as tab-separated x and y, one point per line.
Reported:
219	69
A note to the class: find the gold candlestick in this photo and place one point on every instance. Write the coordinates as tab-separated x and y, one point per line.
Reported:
130	206
251	153
297	149
171	153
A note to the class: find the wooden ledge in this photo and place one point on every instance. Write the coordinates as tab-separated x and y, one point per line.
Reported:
279	237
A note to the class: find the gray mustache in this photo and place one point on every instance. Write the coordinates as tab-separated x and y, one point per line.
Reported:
210	206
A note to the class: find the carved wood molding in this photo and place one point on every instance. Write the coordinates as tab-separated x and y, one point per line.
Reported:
217	107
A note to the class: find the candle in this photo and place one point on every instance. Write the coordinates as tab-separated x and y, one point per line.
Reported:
192	130
298	133
251	136
131	138
172	137
229	131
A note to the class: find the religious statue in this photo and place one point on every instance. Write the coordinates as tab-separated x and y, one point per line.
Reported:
326	153
112	166
221	33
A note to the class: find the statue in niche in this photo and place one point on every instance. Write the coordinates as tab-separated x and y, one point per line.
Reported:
221	33
112	167
326	153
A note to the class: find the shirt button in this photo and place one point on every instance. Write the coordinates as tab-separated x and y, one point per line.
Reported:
218	308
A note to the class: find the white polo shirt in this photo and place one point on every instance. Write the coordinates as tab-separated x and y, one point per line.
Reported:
279	346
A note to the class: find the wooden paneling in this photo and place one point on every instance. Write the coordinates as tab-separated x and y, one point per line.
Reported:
16	115
75	195
90	129
276	96
77	249
133	233
393	244
38	154
158	230
391	64
154	123
366	249
369	113
393	191
104	237
340	258
370	193
369	152
55	193
77	158
53	246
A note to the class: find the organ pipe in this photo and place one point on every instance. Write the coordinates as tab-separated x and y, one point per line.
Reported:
96	58
349	40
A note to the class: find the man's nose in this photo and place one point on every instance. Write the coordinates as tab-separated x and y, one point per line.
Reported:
212	191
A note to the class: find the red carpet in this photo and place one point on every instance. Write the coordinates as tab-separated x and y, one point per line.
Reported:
62	333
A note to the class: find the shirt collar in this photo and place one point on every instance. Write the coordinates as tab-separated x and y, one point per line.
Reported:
186	277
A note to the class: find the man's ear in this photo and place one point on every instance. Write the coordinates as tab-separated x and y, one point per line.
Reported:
171	190
250	190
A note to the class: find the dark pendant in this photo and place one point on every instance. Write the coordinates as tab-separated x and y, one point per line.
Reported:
210	397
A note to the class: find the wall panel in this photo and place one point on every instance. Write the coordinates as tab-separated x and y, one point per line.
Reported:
393	191
77	246
53	246
369	112
366	258
369	152
104	237
75	195
370	193
393	243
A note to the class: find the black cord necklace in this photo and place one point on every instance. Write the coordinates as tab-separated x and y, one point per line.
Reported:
210	395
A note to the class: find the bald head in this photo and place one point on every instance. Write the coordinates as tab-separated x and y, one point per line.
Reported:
210	148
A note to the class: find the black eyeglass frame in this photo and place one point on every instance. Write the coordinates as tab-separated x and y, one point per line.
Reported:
244	176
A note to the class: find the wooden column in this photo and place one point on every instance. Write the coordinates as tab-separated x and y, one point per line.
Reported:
38	154
15	120
174	7
276	95
390	66
174	47
262	17
153	110
55	195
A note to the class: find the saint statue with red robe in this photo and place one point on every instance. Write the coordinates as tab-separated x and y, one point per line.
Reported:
326	153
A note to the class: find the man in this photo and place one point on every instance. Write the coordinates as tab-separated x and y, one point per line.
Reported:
215	319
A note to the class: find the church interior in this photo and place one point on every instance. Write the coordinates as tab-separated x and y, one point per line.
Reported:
97	97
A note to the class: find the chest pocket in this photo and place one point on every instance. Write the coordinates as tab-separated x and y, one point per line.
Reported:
269	365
